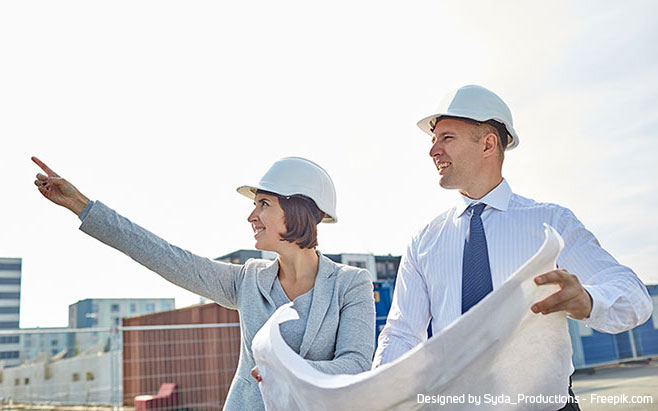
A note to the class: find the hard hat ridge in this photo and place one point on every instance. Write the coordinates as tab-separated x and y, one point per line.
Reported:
475	103
298	176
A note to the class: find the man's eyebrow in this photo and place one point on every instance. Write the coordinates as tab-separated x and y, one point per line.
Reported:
443	133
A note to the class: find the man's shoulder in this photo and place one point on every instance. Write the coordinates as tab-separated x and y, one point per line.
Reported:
519	203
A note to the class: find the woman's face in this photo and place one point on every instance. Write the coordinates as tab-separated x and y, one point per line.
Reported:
268	222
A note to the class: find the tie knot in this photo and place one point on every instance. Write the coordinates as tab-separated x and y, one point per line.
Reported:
477	208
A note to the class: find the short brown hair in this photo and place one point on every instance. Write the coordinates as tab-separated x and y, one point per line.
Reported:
483	129
301	217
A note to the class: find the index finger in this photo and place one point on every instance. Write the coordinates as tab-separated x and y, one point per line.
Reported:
44	167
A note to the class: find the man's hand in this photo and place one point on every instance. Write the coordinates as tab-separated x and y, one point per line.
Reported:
572	297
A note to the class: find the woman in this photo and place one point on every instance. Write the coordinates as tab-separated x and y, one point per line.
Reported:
335	332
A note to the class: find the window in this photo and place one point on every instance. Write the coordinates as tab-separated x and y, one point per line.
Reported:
53	343
114	308
117	321
133	308
9	339
359	264
583	330
150	308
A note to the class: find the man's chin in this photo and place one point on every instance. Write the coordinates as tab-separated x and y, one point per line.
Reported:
446	183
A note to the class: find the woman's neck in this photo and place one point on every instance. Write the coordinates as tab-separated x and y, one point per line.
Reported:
298	264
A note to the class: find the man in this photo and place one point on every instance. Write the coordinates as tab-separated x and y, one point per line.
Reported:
469	250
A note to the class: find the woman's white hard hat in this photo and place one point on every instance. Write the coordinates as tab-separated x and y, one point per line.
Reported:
298	176
475	103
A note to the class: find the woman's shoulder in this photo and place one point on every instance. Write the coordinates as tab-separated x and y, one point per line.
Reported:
348	274
257	264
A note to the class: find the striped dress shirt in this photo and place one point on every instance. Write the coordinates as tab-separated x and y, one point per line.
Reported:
428	287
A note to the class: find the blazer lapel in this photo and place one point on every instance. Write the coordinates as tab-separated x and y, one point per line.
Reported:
265	280
323	292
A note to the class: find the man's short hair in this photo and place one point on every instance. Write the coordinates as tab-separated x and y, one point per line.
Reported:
483	129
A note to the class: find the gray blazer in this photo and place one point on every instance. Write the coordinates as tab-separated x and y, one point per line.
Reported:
340	332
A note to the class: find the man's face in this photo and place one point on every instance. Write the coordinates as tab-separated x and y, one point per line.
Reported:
456	155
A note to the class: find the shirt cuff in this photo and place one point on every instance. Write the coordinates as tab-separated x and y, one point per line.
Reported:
599	307
85	210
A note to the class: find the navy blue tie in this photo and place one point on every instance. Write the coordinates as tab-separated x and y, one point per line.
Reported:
476	272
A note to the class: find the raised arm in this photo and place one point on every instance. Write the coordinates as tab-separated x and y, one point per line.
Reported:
212	279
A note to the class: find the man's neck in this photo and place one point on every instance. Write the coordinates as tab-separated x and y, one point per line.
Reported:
482	189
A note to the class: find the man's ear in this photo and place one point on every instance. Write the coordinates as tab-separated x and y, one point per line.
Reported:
490	145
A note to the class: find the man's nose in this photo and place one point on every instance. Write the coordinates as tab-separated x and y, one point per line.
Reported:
436	149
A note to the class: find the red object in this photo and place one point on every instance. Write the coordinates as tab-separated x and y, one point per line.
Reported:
166	398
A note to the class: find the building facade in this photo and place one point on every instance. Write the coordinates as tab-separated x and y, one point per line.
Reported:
108	312
10	305
381	267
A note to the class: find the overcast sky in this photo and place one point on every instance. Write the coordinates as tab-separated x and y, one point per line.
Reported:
161	109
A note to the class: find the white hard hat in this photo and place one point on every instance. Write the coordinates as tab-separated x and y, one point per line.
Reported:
475	103
296	175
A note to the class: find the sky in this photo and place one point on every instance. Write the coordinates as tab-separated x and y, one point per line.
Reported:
161	109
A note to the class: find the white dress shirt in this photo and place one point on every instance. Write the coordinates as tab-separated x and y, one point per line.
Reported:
429	280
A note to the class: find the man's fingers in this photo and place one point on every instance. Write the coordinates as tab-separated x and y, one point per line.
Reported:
42	177
44	167
560	276
559	298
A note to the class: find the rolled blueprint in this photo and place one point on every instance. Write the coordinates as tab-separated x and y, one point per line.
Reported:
497	355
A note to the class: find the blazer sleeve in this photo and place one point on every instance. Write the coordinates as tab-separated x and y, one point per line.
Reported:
355	339
215	280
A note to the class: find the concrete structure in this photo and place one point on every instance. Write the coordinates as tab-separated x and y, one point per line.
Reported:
61	342
10	297
382	267
108	312
51	341
85	379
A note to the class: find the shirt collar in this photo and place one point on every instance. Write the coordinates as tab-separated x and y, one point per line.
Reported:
497	198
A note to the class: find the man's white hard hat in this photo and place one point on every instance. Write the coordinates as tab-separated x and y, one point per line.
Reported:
298	176
475	103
